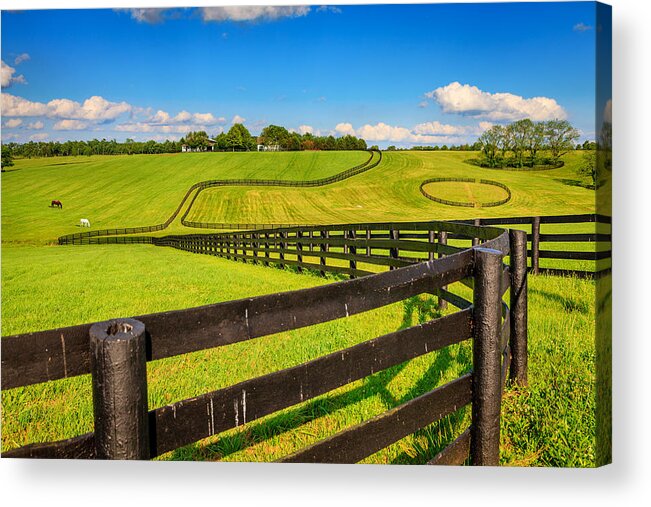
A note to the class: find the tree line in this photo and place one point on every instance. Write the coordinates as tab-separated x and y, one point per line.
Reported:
238	138
527	143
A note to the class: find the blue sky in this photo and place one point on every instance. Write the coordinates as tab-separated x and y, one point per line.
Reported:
393	74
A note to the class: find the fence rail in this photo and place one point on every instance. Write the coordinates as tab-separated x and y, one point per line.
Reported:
115	352
467	204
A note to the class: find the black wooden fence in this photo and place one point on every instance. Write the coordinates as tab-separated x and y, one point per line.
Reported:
115	353
467	204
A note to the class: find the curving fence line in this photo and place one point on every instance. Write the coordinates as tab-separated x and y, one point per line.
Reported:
78	238
116	352
463	204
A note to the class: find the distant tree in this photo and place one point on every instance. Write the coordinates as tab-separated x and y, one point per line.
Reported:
520	133
239	137
444	147
274	135
7	158
589	145
375	147
560	136
588	166
490	140
196	139
391	148
536	141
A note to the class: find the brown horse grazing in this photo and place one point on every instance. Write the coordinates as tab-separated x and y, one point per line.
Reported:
56	204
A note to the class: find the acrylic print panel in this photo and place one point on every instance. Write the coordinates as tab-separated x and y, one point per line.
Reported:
343	234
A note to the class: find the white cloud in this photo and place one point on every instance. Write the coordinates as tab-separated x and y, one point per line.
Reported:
305	129
70	125
423	104
39	137
238	119
329	8
436	128
344	129
23	57
146	15
581	27
95	108
18	106
163	129
424	133
7	76
253	12
37	125
207	119
471	101
13	123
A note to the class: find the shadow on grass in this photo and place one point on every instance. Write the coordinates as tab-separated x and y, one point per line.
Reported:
568	304
575	183
416	311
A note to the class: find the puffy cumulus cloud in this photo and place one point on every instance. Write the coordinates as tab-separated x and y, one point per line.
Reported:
436	128
23	57
470	101
70	125
253	12
95	108
305	129
13	123
432	132
18	106
145	15
163	118
37	125
238	119
7	77
142	127
345	129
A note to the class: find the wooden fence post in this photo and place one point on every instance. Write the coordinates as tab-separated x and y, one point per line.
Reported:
368	238
299	249
431	237
118	357
518	307
324	249
442	240
535	244
476	223
266	249
254	246
486	376
393	252
353	251
282	250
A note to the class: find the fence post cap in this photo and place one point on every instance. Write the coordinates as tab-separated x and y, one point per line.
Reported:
117	329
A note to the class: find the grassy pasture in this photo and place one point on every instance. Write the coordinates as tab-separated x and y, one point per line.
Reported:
465	191
549	424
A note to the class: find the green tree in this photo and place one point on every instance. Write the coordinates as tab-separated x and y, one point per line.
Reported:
274	135
490	140
239	137
561	137
7	157
588	166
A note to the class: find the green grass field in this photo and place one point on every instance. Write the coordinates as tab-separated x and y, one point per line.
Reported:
551	423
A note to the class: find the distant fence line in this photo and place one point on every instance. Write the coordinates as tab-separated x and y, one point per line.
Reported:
370	237
202	185
466	204
115	352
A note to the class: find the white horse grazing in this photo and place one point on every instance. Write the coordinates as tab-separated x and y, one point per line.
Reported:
84	222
